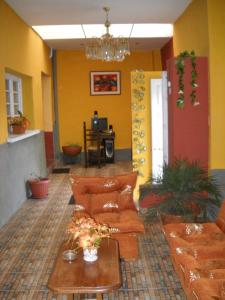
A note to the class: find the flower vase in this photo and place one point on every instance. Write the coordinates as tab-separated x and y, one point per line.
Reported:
90	254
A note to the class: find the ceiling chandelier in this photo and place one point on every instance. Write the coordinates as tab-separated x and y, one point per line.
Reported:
107	48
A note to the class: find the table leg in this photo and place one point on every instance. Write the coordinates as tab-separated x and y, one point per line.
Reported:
77	297
81	296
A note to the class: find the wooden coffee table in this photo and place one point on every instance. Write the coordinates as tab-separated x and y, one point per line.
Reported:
81	277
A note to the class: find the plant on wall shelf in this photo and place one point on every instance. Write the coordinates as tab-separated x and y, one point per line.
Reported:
180	71
19	123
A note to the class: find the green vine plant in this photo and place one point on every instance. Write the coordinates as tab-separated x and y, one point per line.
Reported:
180	72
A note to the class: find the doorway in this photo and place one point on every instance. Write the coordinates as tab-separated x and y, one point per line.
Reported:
47	117
159	124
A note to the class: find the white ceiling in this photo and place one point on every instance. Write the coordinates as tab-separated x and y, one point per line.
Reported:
54	12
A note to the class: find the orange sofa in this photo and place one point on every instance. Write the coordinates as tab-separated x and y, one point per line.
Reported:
109	200
198	256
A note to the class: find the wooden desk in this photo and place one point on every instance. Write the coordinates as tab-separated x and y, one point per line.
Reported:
98	139
80	277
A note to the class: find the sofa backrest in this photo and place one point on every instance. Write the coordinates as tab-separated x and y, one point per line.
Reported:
99	194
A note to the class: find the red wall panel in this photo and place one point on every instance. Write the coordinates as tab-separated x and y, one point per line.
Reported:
49	147
166	53
188	127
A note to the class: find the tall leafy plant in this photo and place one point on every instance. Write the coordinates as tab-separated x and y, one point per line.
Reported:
184	186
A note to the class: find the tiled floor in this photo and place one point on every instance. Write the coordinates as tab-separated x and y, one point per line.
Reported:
30	240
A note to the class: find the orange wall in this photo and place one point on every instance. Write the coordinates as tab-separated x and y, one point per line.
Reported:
191	29
76	105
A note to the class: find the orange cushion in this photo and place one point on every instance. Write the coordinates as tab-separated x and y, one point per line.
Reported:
126	221
127	179
102	186
99	202
220	221
123	179
125	200
188	228
81	197
107	217
206	289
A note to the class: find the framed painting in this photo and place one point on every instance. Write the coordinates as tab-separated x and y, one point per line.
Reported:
105	83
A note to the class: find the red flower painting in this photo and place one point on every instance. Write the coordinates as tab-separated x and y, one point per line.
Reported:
105	83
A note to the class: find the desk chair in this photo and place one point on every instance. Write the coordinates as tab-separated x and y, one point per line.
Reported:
93	148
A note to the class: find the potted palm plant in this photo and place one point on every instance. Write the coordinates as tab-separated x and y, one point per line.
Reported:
38	187
185	188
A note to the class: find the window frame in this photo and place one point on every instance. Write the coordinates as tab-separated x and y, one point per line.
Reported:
13	78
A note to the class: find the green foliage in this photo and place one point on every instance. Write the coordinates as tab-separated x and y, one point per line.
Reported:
180	71
184	183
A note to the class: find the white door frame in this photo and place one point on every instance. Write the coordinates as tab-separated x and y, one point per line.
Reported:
159	124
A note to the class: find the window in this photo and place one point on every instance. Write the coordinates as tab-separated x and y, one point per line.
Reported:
13	86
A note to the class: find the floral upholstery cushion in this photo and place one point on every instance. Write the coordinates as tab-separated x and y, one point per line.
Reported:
220	221
182	229
104	202
125	200
196	238
207	289
102	186
125	221
81	198
222	289
107	218
104	194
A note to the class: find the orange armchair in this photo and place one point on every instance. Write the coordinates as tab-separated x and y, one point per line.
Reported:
197	252
189	233
109	200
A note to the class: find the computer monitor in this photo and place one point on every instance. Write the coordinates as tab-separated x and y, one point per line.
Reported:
101	125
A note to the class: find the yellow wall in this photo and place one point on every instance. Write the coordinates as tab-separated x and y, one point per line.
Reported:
141	120
22	51
76	105
216	15
191	29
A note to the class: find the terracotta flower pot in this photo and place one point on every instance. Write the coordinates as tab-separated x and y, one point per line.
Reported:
19	129
39	188
71	150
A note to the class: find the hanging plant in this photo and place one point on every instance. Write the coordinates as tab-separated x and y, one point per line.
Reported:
180	71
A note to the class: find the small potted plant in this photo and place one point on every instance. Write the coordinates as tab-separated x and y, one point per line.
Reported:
18	123
38	187
88	234
71	149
